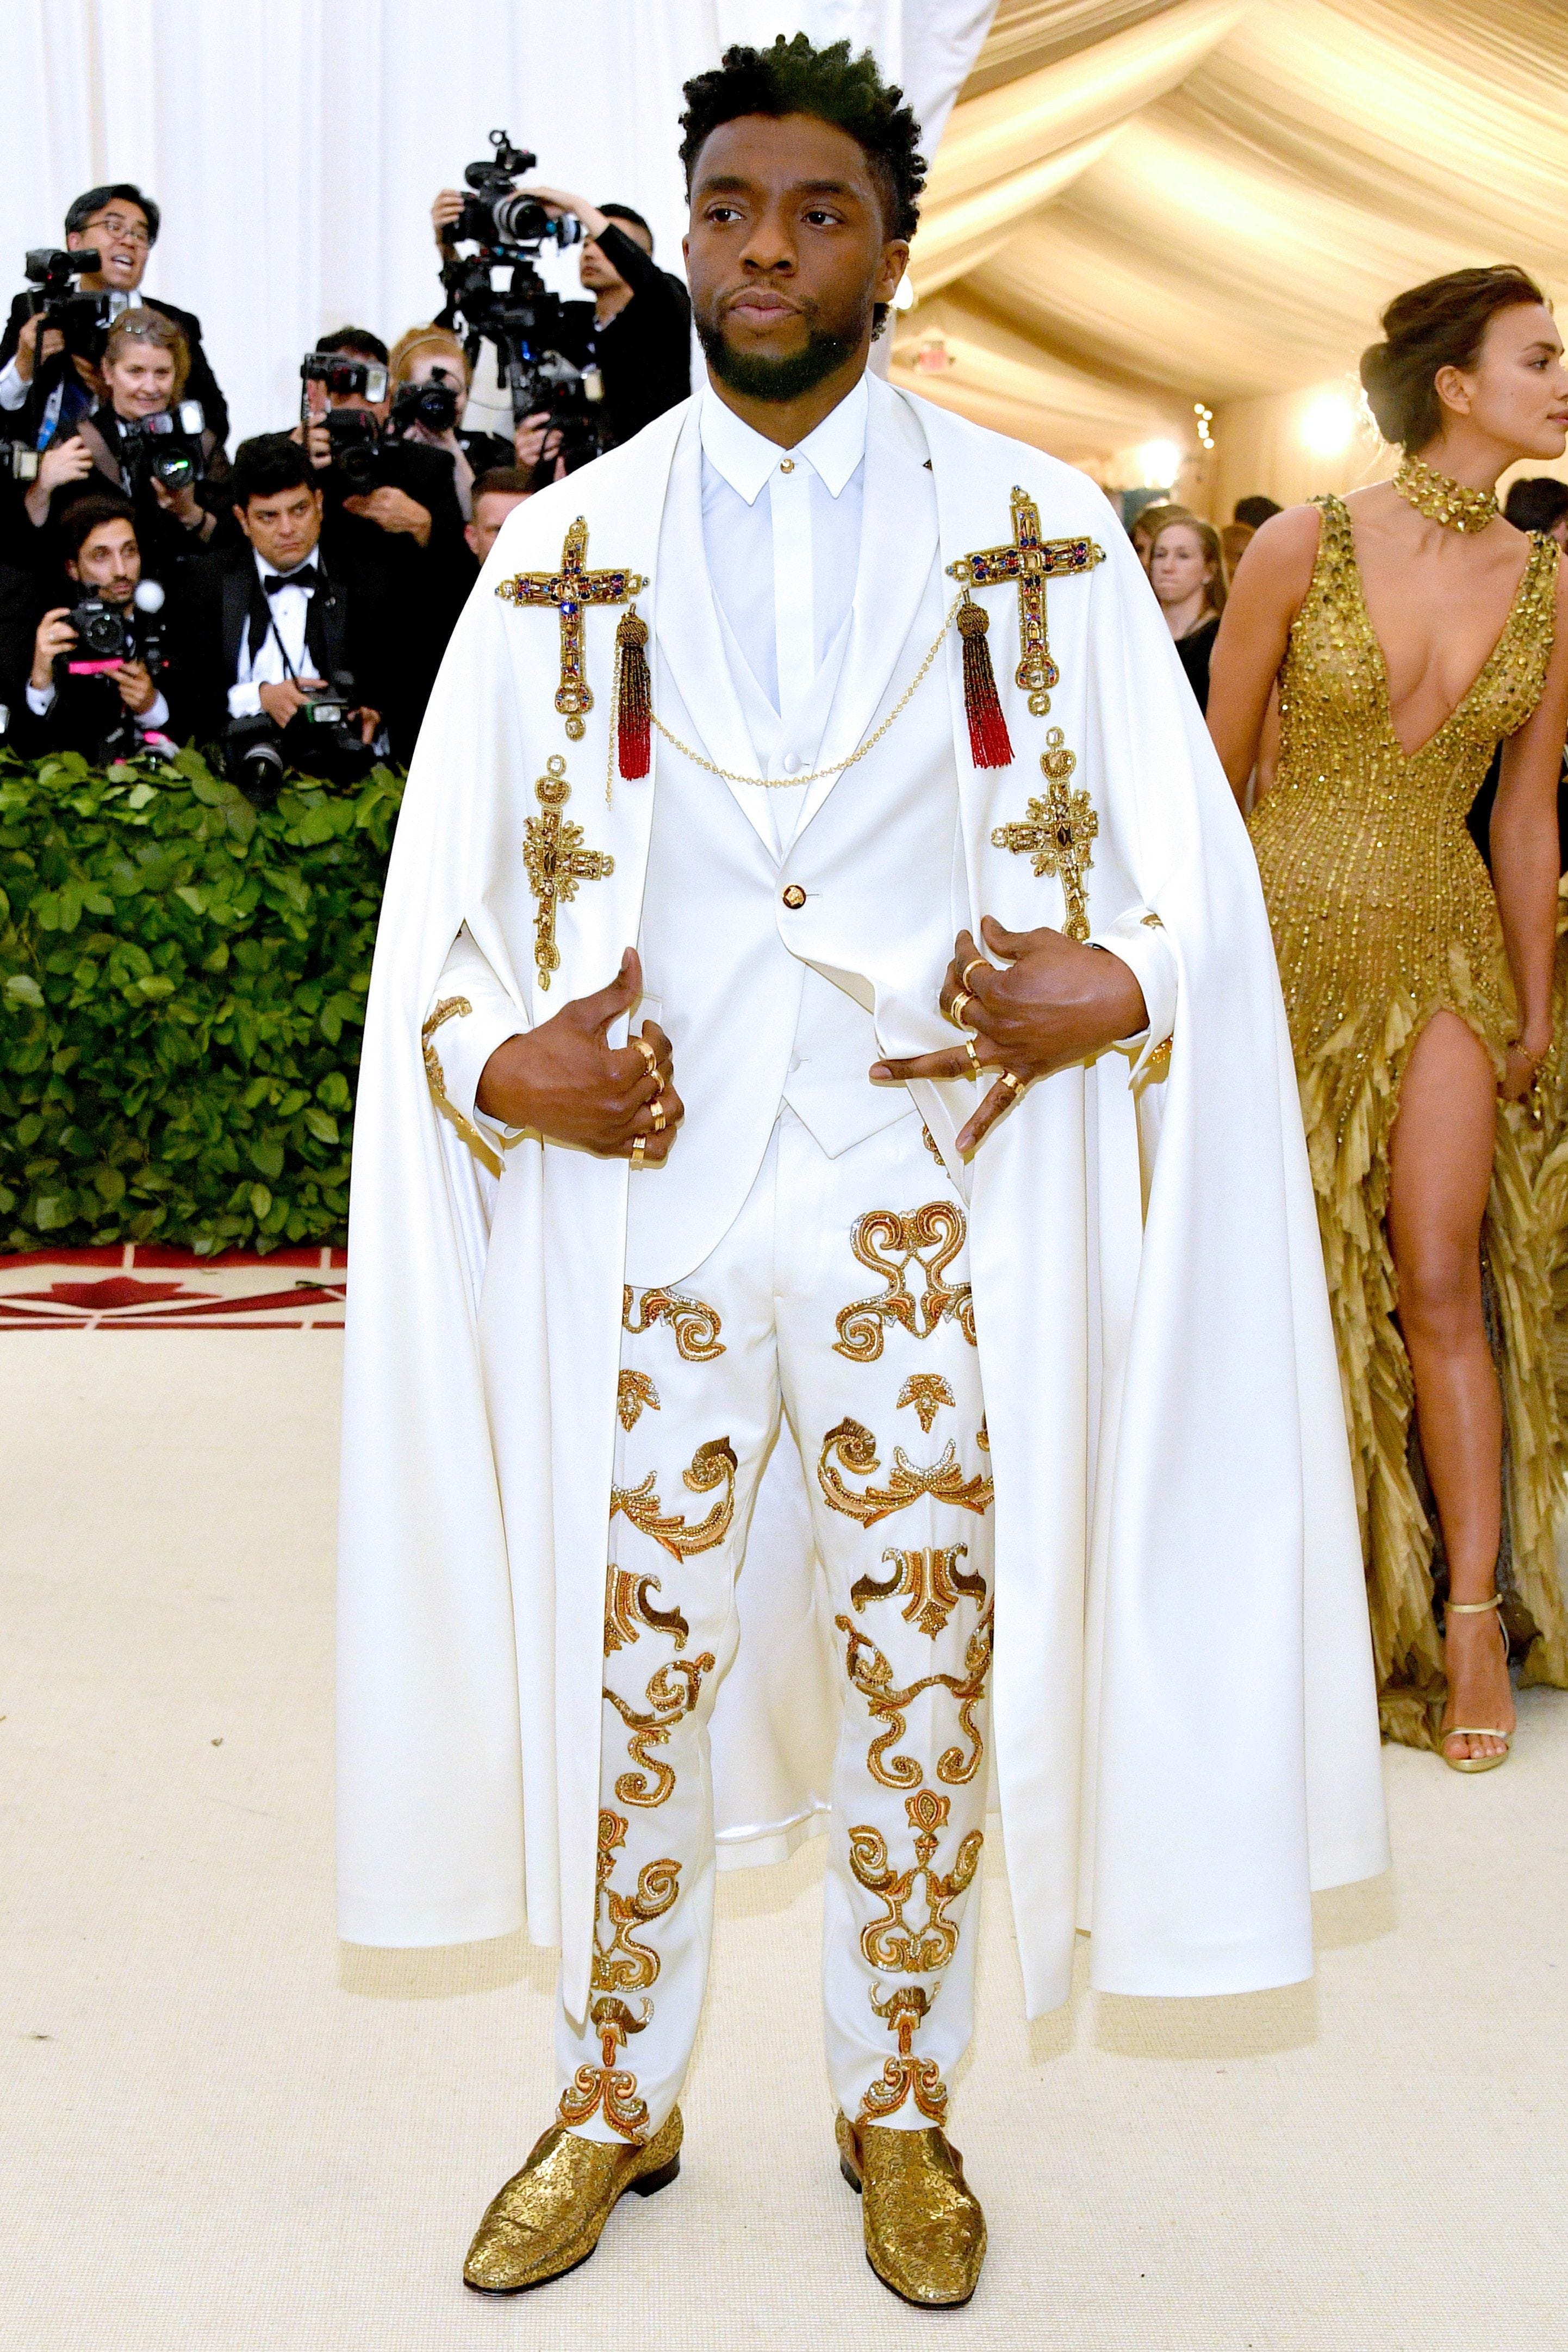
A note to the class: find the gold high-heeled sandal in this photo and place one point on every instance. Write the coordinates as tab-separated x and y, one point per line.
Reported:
1475	1731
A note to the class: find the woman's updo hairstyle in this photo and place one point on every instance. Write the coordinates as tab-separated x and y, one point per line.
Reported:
1441	324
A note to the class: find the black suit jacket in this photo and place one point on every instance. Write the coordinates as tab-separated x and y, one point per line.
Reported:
348	627
85	709
201	384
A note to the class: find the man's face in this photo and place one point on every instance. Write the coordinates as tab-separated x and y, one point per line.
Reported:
119	237
108	562
787	252
595	272
283	525
489	512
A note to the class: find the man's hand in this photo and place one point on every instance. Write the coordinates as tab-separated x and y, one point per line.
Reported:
316	442
369	720
28	351
63	461
1057	1003
443	215
181	503
562	1080
137	692
556	200
289	696
54	637
394	510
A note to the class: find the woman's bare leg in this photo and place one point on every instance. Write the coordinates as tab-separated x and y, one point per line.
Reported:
1440	1166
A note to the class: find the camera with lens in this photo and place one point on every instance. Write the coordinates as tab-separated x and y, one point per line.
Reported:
108	635
165	448
322	739
538	356
54	294
433	405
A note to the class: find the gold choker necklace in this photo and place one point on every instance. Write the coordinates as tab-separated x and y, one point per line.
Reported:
1443	501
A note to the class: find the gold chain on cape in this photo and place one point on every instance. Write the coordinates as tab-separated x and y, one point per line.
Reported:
788	783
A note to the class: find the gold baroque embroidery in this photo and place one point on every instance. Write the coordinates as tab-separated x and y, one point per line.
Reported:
671	1695
873	1678
452	1008
855	1447
905	2076
886	1242
926	1391
633	1391
931	1580
696	1327
623	1965
626	1599
556	862
608	2085
712	1464
891	1942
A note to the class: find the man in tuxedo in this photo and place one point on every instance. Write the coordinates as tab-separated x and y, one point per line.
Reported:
75	699
276	627
51	390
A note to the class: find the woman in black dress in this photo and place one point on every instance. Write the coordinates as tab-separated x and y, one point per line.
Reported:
1187	566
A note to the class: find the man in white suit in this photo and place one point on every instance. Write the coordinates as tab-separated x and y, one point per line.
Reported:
988	1260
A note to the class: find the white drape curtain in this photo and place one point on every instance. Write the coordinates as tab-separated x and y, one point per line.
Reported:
295	146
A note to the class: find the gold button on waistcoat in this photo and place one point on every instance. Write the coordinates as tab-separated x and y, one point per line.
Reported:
793	895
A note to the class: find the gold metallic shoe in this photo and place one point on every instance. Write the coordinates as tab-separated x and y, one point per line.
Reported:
925	2233
549	2216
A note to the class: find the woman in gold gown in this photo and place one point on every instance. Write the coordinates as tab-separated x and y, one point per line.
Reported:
1410	628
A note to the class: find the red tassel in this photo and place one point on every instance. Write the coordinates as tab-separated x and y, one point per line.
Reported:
633	698
990	745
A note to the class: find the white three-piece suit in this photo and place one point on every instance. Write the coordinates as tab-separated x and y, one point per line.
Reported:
1053	1497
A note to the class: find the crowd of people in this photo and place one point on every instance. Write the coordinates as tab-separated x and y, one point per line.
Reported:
289	601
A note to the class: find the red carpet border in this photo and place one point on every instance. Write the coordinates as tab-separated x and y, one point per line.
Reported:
138	1286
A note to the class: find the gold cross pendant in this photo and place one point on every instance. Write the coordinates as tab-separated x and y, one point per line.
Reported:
1058	833
556	861
568	591
1031	561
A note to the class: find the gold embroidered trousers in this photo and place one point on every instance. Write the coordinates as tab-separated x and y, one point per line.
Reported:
833	1317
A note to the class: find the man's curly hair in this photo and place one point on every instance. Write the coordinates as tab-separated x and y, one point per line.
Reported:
794	78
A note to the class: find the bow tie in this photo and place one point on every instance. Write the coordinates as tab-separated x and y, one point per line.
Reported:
305	578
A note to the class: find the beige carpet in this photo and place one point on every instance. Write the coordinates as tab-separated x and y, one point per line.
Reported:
222	2131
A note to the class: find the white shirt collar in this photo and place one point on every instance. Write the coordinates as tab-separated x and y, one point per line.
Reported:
747	460
265	570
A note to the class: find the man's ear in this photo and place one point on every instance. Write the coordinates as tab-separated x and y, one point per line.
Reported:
243	518
73	570
471	535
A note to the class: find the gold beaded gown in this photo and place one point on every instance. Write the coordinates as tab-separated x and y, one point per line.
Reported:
1383	914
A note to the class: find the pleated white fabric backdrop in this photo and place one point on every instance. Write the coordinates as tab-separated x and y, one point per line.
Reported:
295	146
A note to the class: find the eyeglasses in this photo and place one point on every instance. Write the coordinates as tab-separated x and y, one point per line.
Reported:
127	232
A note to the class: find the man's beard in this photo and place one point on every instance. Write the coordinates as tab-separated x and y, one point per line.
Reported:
760	377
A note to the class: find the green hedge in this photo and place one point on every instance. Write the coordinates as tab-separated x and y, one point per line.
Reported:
183	980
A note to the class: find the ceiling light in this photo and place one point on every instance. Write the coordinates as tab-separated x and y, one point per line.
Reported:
1161	462
933	355
1327	424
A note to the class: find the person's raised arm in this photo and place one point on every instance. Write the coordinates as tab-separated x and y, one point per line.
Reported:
1526	857
1270	587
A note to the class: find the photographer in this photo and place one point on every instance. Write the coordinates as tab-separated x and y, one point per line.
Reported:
430	379
279	629
142	440
96	684
120	224
495	495
640	338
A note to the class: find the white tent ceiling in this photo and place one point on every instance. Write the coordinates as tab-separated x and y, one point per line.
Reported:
1141	205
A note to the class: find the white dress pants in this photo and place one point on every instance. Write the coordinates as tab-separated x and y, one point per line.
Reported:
838	1301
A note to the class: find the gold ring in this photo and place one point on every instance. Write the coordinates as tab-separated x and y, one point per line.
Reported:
973	1056
1013	1084
955	1010
638	1146
976	963
657	1111
648	1054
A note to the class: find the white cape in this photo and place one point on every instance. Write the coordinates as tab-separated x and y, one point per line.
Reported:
1184	1722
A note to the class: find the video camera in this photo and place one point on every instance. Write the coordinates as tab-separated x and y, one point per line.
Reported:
108	635
527	324
165	448
53	294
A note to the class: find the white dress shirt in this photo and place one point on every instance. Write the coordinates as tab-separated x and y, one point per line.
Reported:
289	609
782	571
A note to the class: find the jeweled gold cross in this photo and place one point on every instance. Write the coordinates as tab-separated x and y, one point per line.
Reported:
1057	835
1031	561
568	591
556	861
